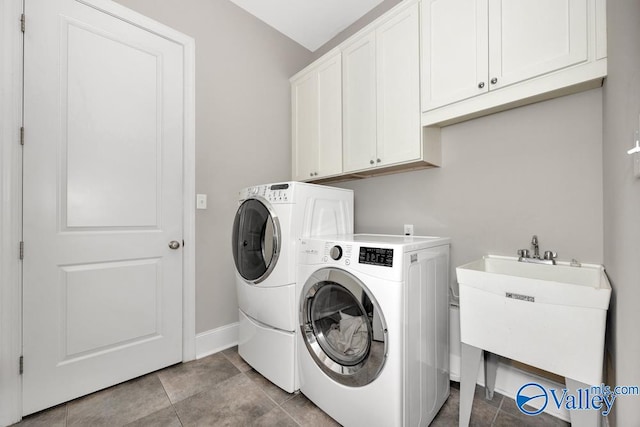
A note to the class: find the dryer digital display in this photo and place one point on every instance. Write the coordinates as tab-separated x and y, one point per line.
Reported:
376	256
279	187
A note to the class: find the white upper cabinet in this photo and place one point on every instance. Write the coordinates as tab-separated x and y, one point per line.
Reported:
534	37
381	80
360	117
305	125
455	48
482	56
316	95
398	84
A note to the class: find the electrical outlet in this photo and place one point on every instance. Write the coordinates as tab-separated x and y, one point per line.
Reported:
408	229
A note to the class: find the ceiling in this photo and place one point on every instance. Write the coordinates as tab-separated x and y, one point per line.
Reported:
311	23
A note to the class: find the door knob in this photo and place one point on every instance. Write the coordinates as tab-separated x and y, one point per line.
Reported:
174	244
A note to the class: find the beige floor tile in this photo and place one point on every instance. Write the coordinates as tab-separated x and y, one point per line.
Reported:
166	417
237	401
187	379
273	391
234	357
275	417
222	390
305	413
120	404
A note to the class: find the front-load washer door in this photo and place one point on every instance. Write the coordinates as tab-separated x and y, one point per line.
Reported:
256	240
337	318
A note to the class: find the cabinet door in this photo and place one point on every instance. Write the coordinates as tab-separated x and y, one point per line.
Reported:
329	154
528	38
304	126
454	51
359	103
398	94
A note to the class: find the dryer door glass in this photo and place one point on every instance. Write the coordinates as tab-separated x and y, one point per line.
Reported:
343	327
340	324
255	240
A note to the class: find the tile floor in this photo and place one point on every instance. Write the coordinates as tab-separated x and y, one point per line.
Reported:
222	390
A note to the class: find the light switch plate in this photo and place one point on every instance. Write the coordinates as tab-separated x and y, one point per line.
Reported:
201	201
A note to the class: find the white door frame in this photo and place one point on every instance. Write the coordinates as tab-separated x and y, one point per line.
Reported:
11	192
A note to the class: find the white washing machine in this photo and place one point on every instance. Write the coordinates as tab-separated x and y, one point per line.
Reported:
373	341
268	226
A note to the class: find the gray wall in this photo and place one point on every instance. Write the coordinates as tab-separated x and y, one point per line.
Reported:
243	132
531	170
622	202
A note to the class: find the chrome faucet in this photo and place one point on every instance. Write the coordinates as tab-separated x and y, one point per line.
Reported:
548	258
534	243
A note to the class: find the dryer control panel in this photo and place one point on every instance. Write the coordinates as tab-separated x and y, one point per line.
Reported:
274	193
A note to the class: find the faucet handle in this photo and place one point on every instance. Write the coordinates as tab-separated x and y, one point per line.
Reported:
550	255
523	253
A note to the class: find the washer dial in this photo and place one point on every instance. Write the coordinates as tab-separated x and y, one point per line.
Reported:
335	253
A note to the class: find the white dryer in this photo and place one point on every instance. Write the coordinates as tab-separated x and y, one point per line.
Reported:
268	226
373	342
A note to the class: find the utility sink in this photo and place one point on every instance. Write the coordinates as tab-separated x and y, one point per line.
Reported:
549	316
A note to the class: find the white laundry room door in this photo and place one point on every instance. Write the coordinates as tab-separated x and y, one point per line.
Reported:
103	202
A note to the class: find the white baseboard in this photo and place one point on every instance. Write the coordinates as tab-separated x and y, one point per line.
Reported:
216	340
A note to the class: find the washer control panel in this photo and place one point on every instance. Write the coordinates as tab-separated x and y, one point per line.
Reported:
340	253
370	258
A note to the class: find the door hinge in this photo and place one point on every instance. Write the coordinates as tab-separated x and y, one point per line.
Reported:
21	250
21	364
21	135
22	19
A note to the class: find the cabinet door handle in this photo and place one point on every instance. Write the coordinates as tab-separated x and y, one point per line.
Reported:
481	85
311	174
494	80
378	160
370	162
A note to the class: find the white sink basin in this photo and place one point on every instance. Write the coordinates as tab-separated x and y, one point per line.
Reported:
549	316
